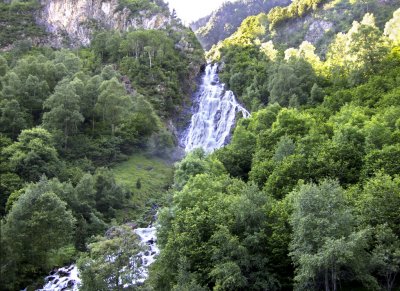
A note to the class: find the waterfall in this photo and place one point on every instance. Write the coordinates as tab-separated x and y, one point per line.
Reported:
215	113
214	116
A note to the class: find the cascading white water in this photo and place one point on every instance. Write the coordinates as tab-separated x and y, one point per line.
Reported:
148	238
212	122
67	278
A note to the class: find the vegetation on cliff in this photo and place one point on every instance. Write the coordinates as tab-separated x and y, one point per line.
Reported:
18	22
225	21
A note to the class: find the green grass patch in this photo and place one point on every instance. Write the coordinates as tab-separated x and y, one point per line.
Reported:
155	176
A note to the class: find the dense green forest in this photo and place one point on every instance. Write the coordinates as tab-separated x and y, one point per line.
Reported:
66	117
306	196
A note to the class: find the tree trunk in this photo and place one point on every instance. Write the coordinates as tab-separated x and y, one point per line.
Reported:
334	287
390	279
149	58
327	280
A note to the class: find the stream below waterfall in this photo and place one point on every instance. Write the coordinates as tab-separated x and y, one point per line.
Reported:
67	278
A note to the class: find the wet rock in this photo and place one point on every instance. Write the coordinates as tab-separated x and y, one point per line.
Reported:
63	273
217	116
70	283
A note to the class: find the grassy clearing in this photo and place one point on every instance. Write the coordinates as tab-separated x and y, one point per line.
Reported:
155	176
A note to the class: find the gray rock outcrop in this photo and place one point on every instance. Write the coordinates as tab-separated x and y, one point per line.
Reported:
72	22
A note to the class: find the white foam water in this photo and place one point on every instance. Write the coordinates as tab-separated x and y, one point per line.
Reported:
148	239
67	278
212	122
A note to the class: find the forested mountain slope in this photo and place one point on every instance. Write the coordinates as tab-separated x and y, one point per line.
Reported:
290	23
305	197
307	194
225	21
80	93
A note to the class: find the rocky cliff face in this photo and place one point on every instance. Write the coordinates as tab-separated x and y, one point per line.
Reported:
72	22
